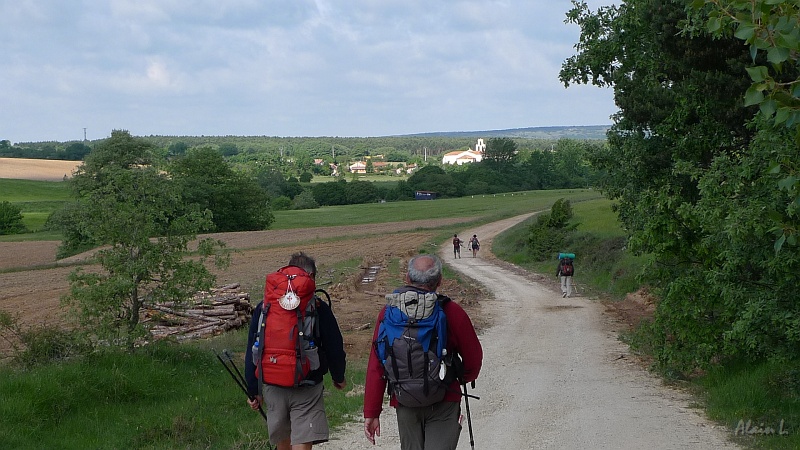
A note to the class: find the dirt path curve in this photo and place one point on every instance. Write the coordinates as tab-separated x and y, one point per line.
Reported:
555	376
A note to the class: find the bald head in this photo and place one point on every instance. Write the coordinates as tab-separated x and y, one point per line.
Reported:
424	271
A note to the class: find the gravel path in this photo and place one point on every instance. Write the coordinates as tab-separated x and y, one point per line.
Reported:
555	376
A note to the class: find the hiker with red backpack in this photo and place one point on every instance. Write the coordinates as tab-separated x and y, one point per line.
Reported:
457	244
294	339
565	270
425	346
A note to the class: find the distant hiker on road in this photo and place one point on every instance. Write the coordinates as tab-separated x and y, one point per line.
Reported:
474	245
428	402
289	348
565	270
457	244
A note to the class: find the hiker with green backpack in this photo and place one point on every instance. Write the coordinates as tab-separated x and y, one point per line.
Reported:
565	270
424	348
294	339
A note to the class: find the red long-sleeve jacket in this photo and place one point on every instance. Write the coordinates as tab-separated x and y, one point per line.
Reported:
461	339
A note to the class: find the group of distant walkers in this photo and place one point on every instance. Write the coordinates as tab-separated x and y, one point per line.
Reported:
472	244
425	350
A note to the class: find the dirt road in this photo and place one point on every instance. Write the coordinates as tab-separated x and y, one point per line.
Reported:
555	376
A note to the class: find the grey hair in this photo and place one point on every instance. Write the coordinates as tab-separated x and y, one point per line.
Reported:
304	262
425	278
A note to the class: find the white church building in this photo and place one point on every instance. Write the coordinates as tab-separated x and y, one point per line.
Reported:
465	156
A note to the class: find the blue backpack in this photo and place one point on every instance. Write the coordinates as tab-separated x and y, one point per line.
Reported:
412	346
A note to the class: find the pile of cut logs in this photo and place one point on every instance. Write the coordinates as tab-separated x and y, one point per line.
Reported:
206	314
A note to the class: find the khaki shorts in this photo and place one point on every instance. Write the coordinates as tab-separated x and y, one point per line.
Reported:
297	413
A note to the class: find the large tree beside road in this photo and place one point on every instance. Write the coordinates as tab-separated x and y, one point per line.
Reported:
691	173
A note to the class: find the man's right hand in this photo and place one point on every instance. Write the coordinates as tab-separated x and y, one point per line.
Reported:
372	428
255	402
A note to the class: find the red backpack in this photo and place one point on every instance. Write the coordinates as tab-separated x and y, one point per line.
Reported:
567	269
284	351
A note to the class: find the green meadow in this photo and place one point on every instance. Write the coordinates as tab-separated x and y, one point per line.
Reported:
37	200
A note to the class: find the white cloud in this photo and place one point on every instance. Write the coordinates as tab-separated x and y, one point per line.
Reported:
323	67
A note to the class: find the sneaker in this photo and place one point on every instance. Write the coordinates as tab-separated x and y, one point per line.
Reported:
563	294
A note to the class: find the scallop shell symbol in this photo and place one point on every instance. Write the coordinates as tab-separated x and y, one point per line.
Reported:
289	300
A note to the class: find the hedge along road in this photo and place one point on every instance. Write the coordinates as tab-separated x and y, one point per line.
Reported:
555	374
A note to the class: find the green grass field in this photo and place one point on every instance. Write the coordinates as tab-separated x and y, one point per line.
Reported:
37	200
484	208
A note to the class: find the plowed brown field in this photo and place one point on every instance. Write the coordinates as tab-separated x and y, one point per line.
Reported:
34	281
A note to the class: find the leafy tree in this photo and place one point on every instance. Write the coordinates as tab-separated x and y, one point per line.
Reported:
330	193
236	202
305	177
128	205
434	178
76	151
178	148
305	200
771	28
550	230
11	219
361	192
500	152
281	203
680	112
271	179
228	149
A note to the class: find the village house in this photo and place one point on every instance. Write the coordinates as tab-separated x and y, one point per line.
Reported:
358	167
460	157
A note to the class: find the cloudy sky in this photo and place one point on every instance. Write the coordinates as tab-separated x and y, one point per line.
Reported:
287	68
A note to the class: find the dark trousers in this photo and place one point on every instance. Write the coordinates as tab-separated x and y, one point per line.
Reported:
434	427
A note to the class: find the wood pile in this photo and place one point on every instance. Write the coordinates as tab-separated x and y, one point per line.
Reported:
204	315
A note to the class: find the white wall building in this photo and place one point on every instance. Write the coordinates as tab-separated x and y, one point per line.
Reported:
465	156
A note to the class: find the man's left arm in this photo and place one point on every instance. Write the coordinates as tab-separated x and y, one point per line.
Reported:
332	344
467	344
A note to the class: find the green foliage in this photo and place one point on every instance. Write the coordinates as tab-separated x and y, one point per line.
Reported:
433	178
11	219
691	180
132	208
161	396
560	214
549	233
40	345
765	393
206	180
281	203
500	152
772	30
305	200
305	177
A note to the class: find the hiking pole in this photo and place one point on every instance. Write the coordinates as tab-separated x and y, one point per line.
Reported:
469	416
240	381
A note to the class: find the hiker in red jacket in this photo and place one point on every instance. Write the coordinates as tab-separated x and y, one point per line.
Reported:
436	426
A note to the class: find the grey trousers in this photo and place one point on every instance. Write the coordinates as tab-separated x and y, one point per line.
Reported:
434	427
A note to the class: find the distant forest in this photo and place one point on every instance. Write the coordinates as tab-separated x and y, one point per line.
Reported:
393	148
